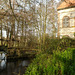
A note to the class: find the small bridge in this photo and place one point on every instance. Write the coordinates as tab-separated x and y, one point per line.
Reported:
17	52
13	48
22	50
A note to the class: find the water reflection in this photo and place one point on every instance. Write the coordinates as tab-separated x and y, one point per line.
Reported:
2	56
25	63
2	64
13	67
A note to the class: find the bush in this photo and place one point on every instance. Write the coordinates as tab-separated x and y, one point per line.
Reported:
59	63
57	44
74	34
50	45
3	48
65	36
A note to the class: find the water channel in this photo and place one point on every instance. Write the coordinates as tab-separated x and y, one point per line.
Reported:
14	67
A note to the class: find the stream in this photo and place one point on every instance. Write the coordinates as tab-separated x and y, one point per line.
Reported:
13	67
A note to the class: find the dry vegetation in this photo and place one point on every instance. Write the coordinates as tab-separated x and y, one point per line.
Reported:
26	22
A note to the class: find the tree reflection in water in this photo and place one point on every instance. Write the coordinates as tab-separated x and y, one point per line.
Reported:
13	67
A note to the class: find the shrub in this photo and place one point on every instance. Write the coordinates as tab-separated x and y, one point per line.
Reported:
65	36
57	44
74	34
59	63
50	45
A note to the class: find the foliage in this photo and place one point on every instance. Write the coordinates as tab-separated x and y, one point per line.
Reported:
50	44
59	63
34	20
57	59
57	44
74	34
32	44
3	48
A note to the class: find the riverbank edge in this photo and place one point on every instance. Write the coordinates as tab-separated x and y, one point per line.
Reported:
21	57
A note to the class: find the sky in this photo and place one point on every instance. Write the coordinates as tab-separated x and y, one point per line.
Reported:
45	1
58	0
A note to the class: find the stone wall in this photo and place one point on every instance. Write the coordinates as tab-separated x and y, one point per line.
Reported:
70	12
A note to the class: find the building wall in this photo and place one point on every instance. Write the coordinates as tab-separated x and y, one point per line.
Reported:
70	12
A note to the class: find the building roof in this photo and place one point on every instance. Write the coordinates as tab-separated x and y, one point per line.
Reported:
66	4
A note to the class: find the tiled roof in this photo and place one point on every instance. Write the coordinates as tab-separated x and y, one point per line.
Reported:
66	4
70	1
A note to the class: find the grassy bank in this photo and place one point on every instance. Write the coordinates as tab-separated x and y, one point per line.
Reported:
58	59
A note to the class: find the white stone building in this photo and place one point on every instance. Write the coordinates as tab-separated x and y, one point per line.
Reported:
66	18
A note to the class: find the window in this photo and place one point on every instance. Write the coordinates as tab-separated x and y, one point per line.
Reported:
66	21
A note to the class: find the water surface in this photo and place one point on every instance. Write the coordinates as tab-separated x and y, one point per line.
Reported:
13	67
